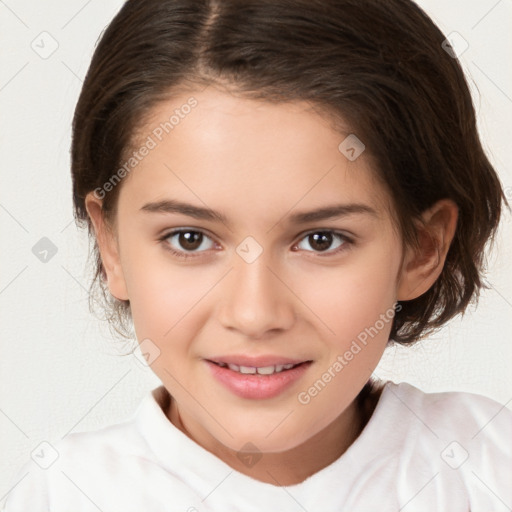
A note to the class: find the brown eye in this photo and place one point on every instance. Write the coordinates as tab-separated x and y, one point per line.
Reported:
188	241
320	241
324	241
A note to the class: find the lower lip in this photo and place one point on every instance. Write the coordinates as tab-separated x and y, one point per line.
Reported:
255	386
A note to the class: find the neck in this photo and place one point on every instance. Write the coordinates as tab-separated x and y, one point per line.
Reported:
294	466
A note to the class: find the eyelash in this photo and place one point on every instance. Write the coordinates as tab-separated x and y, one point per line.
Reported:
347	242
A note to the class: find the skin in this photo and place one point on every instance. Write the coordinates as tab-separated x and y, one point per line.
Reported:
258	163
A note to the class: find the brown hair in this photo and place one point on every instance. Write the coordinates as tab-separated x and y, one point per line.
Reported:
377	64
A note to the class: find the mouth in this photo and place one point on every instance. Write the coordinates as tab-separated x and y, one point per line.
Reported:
257	378
258	370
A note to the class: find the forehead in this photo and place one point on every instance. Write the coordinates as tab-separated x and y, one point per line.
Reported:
247	157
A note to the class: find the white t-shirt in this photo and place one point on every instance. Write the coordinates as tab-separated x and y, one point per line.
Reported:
429	452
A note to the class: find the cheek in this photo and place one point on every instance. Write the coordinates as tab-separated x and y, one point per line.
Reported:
351	297
163	295
356	312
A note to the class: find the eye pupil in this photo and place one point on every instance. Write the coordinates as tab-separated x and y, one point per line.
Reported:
320	241
190	240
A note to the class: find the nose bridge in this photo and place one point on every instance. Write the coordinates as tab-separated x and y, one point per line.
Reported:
255	301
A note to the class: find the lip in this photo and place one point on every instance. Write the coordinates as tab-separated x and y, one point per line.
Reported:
255	386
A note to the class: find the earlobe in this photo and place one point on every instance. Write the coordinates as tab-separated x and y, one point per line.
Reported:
108	247
422	266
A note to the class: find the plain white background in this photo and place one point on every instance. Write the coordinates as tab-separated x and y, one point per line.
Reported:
61	371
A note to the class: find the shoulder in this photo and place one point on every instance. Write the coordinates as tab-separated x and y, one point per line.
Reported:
56	470
457	442
103	448
112	447
470	414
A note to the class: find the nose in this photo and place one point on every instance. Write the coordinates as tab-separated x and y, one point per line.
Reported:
254	301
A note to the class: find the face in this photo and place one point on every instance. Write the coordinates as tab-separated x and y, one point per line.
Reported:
246	239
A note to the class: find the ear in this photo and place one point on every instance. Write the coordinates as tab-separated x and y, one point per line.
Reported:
108	247
423	265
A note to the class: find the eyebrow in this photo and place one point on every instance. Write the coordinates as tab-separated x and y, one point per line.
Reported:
203	213
173	206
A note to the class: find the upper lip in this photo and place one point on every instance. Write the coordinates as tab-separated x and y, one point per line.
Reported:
256	362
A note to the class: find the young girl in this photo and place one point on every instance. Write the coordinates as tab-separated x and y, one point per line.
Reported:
278	190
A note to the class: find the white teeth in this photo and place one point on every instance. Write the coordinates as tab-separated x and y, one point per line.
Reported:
247	369
251	370
266	370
